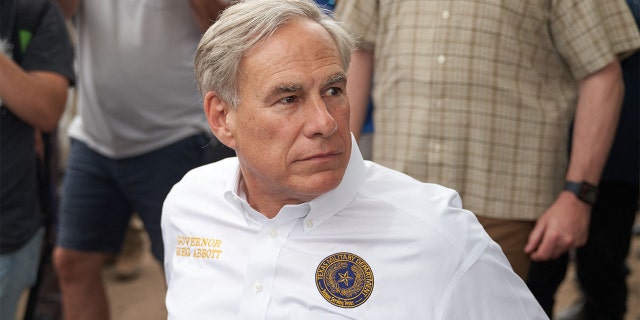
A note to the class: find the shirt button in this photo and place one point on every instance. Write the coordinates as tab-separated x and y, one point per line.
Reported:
445	14
273	233
441	59
310	223
436	147
257	287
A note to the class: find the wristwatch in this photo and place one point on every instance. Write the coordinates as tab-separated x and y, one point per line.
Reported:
584	191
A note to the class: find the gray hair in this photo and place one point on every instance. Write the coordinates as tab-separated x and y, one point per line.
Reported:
244	24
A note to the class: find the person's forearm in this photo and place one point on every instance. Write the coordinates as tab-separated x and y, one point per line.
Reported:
69	7
565	224
206	11
38	98
359	78
595	124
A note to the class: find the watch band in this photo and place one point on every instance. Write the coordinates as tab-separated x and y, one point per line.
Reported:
583	190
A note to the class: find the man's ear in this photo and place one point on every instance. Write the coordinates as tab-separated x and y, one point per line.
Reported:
219	118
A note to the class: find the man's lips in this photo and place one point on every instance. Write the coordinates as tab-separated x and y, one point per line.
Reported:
320	156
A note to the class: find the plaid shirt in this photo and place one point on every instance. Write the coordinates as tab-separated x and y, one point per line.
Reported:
478	95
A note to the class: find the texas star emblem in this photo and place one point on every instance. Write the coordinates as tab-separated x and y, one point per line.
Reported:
344	279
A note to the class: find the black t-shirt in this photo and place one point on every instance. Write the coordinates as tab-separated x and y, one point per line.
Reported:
49	50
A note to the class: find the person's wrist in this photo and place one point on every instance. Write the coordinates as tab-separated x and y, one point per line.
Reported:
583	190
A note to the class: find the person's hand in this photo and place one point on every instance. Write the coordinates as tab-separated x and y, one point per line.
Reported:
565	225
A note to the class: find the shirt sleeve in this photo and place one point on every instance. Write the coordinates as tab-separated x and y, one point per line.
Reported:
590	34
361	19
50	48
488	289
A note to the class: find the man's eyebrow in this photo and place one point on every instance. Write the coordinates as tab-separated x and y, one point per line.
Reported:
287	87
283	88
338	77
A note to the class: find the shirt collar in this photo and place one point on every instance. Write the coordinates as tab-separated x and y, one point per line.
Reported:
332	202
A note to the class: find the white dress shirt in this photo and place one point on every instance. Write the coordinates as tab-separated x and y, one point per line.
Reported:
382	245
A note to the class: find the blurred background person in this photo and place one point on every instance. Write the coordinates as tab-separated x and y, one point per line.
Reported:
139	128
36	70
478	96
600	265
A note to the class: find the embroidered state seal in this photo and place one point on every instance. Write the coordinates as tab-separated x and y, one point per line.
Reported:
344	279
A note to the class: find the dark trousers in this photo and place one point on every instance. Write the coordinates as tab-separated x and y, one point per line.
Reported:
601	264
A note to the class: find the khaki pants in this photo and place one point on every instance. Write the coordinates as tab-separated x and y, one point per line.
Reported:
512	236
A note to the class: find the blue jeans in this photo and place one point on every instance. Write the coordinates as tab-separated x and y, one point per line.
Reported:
18	271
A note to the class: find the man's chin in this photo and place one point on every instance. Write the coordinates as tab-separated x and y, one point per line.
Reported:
321	182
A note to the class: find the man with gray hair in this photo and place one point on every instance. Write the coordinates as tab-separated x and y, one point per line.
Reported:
298	225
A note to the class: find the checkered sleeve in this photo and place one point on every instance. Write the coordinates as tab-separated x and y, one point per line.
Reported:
361	19
590	34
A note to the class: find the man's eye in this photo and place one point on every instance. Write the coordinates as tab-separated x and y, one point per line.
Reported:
289	99
333	91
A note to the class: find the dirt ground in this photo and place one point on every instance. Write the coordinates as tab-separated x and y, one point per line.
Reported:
143	298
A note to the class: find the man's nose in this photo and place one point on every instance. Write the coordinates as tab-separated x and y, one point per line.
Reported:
319	121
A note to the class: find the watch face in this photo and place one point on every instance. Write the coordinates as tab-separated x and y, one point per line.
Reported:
588	193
